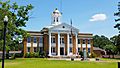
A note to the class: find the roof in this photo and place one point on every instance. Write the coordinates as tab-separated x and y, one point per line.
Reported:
97	48
34	33
85	35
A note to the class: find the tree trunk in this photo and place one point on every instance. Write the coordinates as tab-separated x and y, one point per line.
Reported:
113	56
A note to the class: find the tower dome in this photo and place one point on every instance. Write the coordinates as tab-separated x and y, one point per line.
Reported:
56	15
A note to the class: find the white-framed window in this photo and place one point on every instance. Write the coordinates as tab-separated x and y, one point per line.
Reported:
29	40
53	40
70	40
78	49
70	49
84	49
53	49
78	41
41	39
88	50
84	41
35	49
88	41
41	49
28	49
62	40
35	40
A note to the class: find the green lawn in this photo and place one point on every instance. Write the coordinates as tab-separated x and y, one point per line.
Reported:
44	63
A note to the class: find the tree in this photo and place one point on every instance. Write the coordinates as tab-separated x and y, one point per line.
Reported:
111	50
116	41
18	17
100	41
118	19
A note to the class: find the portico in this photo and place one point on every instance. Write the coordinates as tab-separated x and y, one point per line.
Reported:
58	39
60	44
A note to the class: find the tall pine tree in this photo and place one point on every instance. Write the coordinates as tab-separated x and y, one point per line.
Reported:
118	19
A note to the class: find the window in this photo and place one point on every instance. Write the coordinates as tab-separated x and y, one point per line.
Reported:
63	27
41	40
54	19
53	50
41	49
57	19
35	49
78	49
89	50
78	41
52	40
61	40
70	40
88	41
70	49
28	49
35	40
84	41
84	49
28	40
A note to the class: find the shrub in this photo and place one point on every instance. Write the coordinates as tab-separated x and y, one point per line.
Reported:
81	53
88	55
93	55
42	54
12	57
19	55
27	55
37	55
32	55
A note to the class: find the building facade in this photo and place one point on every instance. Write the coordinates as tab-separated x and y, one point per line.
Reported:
58	39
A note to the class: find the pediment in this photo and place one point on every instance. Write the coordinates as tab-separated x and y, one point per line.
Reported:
63	28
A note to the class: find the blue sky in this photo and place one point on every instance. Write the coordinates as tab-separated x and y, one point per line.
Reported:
89	16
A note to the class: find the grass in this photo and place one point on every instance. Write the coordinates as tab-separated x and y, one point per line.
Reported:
44	63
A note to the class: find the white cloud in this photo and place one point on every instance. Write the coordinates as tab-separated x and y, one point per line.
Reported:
98	17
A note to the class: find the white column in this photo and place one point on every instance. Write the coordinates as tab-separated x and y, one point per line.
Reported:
68	44
76	43
58	44
49	44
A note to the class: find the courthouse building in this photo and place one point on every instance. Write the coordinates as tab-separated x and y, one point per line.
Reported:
58	39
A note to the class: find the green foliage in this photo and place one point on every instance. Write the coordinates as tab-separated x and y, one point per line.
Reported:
45	63
93	55
12	57
116	41
18	17
43	54
32	55
118	19
111	49
19	55
27	55
81	53
37	55
100	41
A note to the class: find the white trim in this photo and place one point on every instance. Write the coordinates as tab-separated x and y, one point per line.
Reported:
34	44
49	44
58	44
28	44
53	44
83	45
79	45
40	44
88	45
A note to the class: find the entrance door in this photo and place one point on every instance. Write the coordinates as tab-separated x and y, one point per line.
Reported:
61	50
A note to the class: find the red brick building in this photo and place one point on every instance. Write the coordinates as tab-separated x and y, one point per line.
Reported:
58	39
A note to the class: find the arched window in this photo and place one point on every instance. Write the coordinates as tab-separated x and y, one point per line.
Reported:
57	19
54	19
